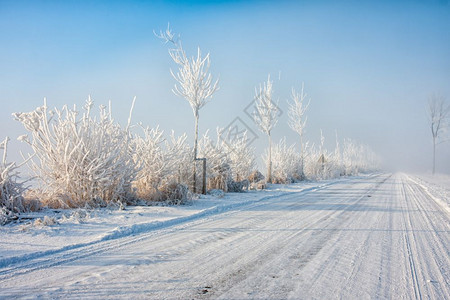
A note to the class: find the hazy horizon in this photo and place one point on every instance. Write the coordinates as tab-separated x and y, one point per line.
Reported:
368	68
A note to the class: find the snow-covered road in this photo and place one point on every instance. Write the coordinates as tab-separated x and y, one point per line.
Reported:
373	237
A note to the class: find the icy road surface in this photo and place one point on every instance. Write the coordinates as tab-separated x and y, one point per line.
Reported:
378	237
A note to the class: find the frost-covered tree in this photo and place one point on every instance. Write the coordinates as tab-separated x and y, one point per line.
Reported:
242	157
319	163
338	155
194	82
358	158
297	119
439	114
286	165
80	161
265	117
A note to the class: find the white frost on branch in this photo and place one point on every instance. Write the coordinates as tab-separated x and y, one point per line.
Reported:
265	117
286	166
242	157
439	116
11	188
80	161
194	82
297	119
297	109
164	164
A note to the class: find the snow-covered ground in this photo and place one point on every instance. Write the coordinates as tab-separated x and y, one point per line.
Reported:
437	187
50	231
380	236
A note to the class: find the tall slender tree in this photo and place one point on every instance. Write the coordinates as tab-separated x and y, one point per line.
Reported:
265	117
194	82
297	120
439	115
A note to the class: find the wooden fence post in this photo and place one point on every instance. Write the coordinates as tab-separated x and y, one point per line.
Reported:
204	176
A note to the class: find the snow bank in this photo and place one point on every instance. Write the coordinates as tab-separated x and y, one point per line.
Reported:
436	186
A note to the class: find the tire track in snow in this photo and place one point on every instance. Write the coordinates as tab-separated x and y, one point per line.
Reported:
22	265
433	271
408	228
328	265
310	249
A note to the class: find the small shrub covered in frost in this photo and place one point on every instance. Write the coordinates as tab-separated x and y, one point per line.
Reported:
78	216
320	165
149	155
286	163
164	171
228	161
216	193
81	160
6	216
358	158
242	157
175	193
218	163
45	221
11	189
352	160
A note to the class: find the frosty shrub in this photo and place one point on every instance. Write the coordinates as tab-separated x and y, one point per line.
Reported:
80	161
218	164
164	171
320	165
11	189
242	157
149	156
353	159
45	221
286	163
358	158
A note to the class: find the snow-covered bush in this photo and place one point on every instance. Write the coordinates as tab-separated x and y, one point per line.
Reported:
178	159
149	155
218	163
164	165
45	221
80	162
353	159
358	158
321	164
11	189
286	163
241	155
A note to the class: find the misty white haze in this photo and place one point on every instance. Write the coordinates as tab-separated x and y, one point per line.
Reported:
368	68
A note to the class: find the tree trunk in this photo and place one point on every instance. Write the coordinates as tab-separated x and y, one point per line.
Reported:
434	155
194	175
196	136
204	177
269	164
302	160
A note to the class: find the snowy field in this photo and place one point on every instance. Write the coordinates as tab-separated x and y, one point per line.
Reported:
379	236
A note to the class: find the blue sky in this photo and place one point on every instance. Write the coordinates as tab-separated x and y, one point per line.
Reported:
368	67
